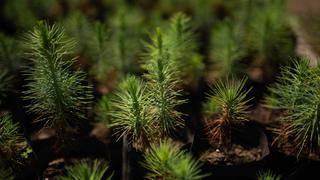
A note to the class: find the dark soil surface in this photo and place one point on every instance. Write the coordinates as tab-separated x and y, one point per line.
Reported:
234	155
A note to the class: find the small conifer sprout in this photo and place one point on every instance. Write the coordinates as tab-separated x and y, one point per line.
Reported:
99	52
269	30
131	113
86	170
297	94
227	106
226	50
166	161
182	46
9	134
162	79
268	175
56	94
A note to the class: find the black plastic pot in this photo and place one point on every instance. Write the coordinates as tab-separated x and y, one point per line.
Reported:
251	135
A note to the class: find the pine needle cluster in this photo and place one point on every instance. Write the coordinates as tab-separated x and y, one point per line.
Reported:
227	106
162	76
131	115
56	94
226	49
297	94
268	175
89	170
166	161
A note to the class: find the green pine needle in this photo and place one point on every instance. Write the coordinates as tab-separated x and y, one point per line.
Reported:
57	95
227	106
85	170
226	49
268	175
131	112
269	30
297	94
166	161
229	98
9	134
162	73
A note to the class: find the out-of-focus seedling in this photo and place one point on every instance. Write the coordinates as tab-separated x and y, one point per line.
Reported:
166	161
83	169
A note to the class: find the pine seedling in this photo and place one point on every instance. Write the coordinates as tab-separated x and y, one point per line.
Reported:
227	106
268	175
270	32
11	140
86	170
125	44
20	13
100	53
297	94
10	53
5	84
9	132
162	73
103	109
130	113
78	27
182	46
57	95
226	49
166	161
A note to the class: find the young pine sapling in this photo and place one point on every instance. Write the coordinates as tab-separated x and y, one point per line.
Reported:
87	170
57	95
226	49
166	161
131	115
162	76
12	143
182	46
268	175
227	106
297	95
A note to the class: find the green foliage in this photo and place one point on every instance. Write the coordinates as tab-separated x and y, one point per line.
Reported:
103	109
5	84
57	95
100	52
162	72
297	94
268	175
182	46
125	44
227	106
5	173
9	134
269	30
131	112
166	161
20	13
226	48
10	53
78	27
229	98
85	170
